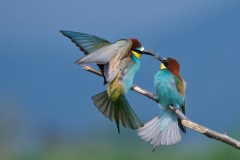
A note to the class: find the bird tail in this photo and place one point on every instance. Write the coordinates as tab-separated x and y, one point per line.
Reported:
118	110
162	129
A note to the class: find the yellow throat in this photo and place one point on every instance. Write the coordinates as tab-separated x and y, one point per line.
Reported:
136	54
162	66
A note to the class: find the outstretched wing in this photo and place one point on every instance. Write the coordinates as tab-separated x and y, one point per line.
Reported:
110	56
86	42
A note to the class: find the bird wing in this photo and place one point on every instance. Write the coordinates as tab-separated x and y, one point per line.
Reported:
86	42
110	56
181	87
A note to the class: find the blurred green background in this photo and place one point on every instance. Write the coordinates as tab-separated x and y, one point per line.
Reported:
45	108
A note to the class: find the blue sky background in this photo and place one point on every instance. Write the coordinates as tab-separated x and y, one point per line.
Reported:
43	93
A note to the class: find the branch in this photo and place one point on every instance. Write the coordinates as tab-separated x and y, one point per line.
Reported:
184	120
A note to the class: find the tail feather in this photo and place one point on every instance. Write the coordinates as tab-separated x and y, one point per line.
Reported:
129	118
161	130
117	119
153	128
106	110
118	110
103	103
181	126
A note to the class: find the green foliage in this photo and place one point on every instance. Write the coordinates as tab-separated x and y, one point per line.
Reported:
110	149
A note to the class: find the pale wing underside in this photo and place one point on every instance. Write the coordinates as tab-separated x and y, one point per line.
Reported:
110	56
112	69
105	54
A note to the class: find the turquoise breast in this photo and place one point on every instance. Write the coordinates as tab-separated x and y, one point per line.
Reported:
166	90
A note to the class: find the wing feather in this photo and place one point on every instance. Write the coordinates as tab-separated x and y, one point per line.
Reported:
86	42
181	87
110	56
111	52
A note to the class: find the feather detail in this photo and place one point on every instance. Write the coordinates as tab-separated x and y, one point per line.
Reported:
105	54
118	110
181	87
86	42
180	84
161	130
113	67
116	88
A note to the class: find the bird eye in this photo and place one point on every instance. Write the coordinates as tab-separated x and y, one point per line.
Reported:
136	50
165	62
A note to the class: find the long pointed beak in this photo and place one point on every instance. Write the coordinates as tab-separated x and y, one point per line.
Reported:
151	54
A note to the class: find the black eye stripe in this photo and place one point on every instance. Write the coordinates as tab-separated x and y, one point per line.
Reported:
136	50
165	63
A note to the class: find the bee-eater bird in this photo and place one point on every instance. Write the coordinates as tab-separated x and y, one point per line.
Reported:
118	63
170	90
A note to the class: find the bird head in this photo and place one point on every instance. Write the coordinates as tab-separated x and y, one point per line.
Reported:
137	48
171	65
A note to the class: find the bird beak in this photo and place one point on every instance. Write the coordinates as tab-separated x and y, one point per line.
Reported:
148	53
151	54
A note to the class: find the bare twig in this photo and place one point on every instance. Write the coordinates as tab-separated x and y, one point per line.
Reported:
90	69
184	120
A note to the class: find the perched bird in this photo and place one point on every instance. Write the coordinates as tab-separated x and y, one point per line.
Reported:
170	90
118	63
